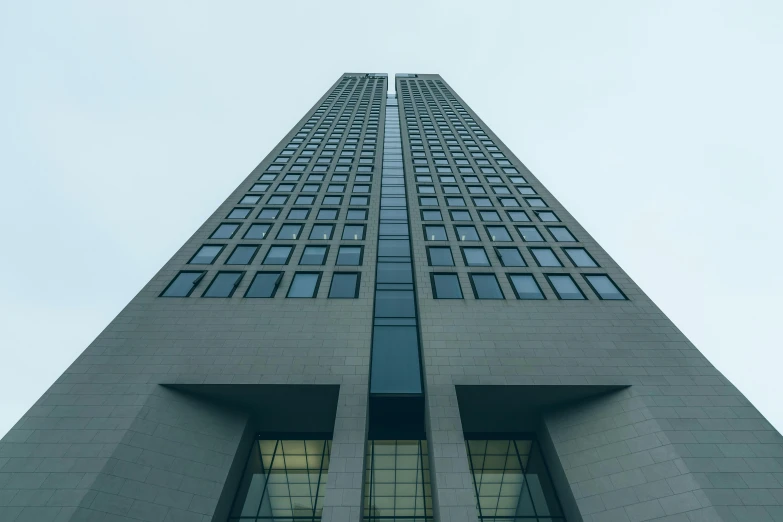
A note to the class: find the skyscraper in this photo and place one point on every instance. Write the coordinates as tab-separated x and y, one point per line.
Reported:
391	319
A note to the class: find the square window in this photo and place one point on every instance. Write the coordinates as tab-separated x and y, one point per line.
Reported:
489	215
183	284
292	177
517	179
604	287
335	188
264	284
225	231
313	255
277	200
564	286
349	255
447	179
440	256
353	232
428	202
580	257
498	233
267	177
206	255
476	189
278	255
431	215
517	215
327	213
460	215
500	189
304	285
359	200
510	256
470	179
242	255
344	285
561	234
466	233
334	200
285	187
435	233
257	231
304	200
424	179
475	256
509	202
535	202
530	234
482	202
545	257
298	213
289	232
356	213
259	187
455	202
311	187
547	215
223	285
525	286
239	213
322	232
361	189
485	286
315	177
525	191
446	286
426	189
494	179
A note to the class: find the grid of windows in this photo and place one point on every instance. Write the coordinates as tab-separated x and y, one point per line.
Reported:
397	483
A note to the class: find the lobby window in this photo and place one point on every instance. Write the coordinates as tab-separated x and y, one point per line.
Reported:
565	287
397	481
561	234
304	284
206	255
242	255
183	284
349	255
440	256
485	286
512	482
223	285
264	284
604	287
257	231
284	480
580	257
344	285
525	286
446	286
225	231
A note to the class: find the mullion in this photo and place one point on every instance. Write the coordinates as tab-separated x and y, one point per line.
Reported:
266	476
524	475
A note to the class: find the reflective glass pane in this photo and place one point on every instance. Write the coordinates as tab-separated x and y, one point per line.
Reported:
349	255
561	234
223	285
344	285
183	284
604	287
277	255
486	286
313	255
545	257
510	256
525	286
303	285
446	286
264	284
224	231
580	257
530	234
440	256
397	481
242	255
206	255
257	231
475	256
565	287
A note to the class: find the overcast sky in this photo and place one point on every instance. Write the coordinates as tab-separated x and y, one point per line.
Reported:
123	125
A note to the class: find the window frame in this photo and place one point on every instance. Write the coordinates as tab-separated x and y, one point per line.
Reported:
509	275
356	285
274	289
233	289
473	285
315	288
193	286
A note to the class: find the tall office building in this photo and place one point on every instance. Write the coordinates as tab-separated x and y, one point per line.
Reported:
391	319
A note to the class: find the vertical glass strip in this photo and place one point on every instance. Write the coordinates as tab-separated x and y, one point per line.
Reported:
396	367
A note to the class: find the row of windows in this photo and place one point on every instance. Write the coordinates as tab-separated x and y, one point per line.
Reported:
339	188
263	187
273	212
264	284
478	201
498	233
277	255
486	286
510	256
427	178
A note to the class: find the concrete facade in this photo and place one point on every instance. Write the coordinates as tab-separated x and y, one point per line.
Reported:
112	440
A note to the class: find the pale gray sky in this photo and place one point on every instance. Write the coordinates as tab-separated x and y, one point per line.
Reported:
123	125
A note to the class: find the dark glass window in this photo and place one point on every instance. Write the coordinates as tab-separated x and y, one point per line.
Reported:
395	366
446	286
225	231
565	287
435	232
525	286
545	257
289	232
580	257
440	256
428	202
394	303
278	255
397	472
394	273
344	284
561	234
467	233
455	202
526	191
183	284
259	187
239	213
530	234
206	255
304	284
223	285
257	231
485	286
264	284
313	255
321	232
353	232
242	255
475	256
498	233
349	255
604	287
510	256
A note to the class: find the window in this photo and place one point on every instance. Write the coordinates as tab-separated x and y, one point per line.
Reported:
278	255
313	255
283	480
344	285
565	287
183	284
397	472
509	202
327	213
525	286
259	187
277	200
357	213
257	231
546	215
268	213
455	202
431	215
426	189
428	202
357	200
604	287
482	202
489	215
264	284
289	232
242	255
498	233
440	256
517	215
476	189
298	213
526	191
475	256
460	215
349	255
335	188
304	284
530	234
485	286
249	200
535	202
510	256
467	233
545	257
580	257
239	213
434	233
223	285
206	255
304	200
361	189
225	231
446	286
321	232
561	234
353	232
